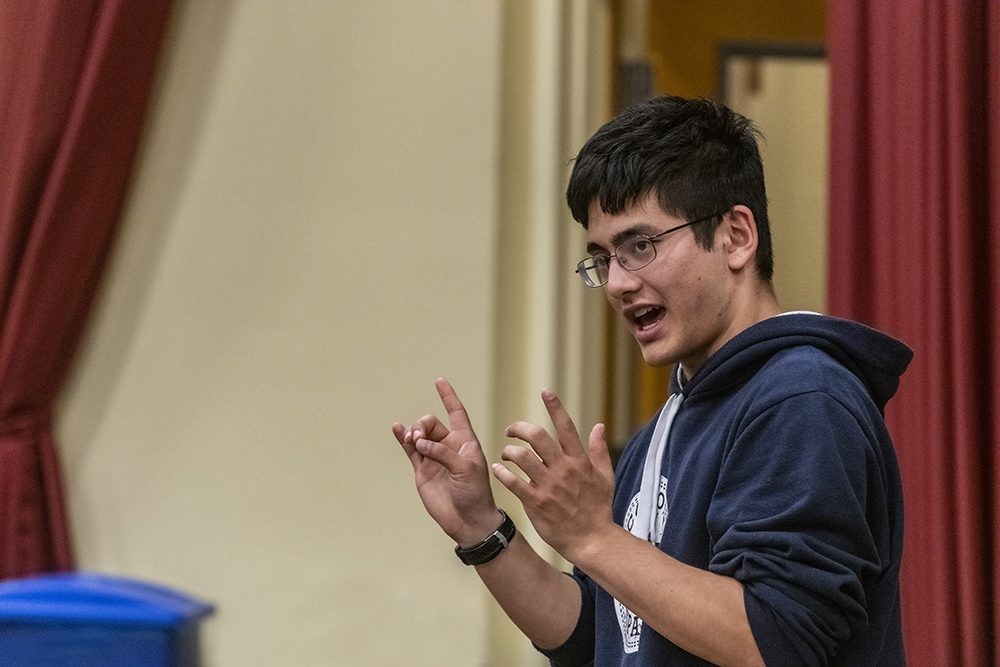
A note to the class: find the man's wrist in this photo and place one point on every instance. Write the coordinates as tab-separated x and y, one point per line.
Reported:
474	532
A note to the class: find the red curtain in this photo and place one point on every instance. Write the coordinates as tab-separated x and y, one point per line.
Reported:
915	250
75	77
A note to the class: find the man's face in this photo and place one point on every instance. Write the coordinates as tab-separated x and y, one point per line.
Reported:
679	307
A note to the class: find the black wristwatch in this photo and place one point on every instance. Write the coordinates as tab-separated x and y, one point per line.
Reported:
492	546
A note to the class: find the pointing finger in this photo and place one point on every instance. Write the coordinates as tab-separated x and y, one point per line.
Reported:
458	417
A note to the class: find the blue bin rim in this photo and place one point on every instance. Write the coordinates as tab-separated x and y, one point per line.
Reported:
86	597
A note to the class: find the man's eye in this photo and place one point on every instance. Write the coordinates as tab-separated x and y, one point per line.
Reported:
601	261
641	244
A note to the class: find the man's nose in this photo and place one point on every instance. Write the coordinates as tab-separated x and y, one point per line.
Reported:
620	280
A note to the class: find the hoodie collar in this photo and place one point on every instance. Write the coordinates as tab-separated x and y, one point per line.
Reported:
876	358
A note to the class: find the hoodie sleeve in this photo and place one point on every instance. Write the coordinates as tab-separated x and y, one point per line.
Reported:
798	518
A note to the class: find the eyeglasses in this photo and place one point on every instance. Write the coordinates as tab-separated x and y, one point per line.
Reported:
632	255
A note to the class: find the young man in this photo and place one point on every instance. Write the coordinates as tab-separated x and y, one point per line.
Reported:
758	518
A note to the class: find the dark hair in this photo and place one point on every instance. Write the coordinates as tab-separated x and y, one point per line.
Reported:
698	157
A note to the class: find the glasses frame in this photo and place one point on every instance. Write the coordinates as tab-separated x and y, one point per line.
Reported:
581	269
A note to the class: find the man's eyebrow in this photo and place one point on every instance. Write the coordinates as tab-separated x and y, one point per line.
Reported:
622	236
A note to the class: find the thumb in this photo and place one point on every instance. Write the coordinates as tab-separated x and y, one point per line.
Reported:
597	450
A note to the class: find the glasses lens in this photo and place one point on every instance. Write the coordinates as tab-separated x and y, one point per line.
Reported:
594	271
636	253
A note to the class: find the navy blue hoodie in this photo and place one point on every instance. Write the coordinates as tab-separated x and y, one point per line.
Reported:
778	472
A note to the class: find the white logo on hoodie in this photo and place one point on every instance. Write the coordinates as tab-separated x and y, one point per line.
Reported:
629	623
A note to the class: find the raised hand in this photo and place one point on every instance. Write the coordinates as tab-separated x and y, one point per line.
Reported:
450	470
567	495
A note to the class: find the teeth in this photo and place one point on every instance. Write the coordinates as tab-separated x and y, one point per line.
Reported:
642	312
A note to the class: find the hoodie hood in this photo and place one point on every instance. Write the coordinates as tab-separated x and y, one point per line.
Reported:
877	359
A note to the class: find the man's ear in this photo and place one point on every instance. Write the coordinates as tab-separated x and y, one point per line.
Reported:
740	243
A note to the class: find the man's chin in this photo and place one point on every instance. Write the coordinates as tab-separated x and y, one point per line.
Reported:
656	356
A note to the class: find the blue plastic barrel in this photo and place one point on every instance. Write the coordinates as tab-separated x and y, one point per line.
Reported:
63	620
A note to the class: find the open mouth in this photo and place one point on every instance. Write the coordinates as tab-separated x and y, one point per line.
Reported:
645	318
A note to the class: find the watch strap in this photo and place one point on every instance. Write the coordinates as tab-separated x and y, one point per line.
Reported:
492	546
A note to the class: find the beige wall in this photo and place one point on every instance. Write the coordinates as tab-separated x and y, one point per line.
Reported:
310	242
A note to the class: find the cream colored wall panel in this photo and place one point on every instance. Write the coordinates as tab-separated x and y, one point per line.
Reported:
788	102
310	242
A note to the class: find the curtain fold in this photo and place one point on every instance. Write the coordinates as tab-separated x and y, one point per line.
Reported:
915	250
75	78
